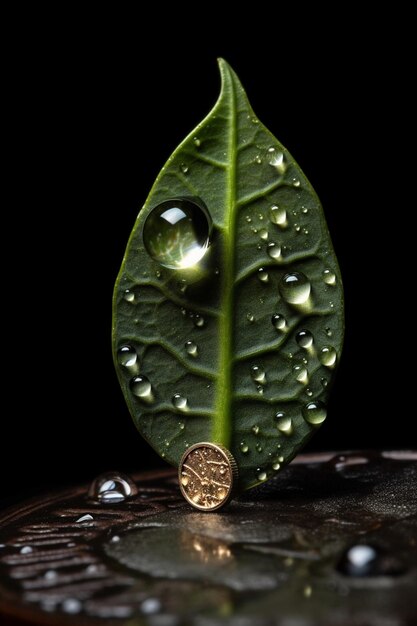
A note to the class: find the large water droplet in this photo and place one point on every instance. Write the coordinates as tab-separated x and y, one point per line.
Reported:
328	356
244	448
129	296
301	373
261	475
278	161
314	412
278	215
284	423
141	387
111	488
295	288
274	250
258	374
127	356
304	339
276	466
329	277
191	348
263	275
179	401
278	321
359	560
176	233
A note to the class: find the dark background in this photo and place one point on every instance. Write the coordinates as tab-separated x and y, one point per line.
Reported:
95	112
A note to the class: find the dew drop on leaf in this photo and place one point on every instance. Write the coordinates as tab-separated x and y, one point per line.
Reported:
295	288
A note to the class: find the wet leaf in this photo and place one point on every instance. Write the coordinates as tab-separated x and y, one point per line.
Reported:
234	342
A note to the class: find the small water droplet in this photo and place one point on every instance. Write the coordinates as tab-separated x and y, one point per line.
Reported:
183	311
71	606
111	488
129	296
307	591
158	273
263	275
255	429
197	142
248	219
263	234
274	250
260	389
258	159
276	466
295	288
329	277
297	228
244	448
250	317
181	425
284	423
324	382
278	215
50	574
367	560
296	182
309	392
127	356
26	550
184	168
176	233
85	518
179	401
191	348
115	539
258	374
258	447
314	412
260	216
328	356
261	475
278	321
305	231
328	331
301	373
199	321
304	210
150	606
304	339
278	161
141	388
182	285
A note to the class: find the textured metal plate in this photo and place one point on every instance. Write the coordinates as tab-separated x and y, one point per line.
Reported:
276	556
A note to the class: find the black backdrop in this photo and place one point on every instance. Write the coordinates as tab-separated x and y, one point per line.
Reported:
95	112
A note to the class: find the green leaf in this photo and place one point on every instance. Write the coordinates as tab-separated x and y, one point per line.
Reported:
263	309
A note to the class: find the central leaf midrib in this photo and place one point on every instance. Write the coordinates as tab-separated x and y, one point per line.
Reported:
222	421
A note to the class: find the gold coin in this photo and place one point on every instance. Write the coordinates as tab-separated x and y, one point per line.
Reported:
207	474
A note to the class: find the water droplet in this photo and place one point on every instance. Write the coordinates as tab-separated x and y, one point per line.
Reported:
274	250
281	459
263	275
260	389
328	356
250	317
50	574
304	210
276	466
307	591
278	162
199	321
258	374
111	488
314	412
248	219
361	560
184	168
258	447
295	288
261	475
284	423
176	233
197	142
301	373
297	228
127	356
263	234
115	539
181	425
304	339
150	606
179	401
71	606
244	448
191	348
309	392
255	429
26	550
328	331
258	159
183	311
141	387
329	277
278	215
182	285
85	518
129	296
324	382
296	182
278	321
